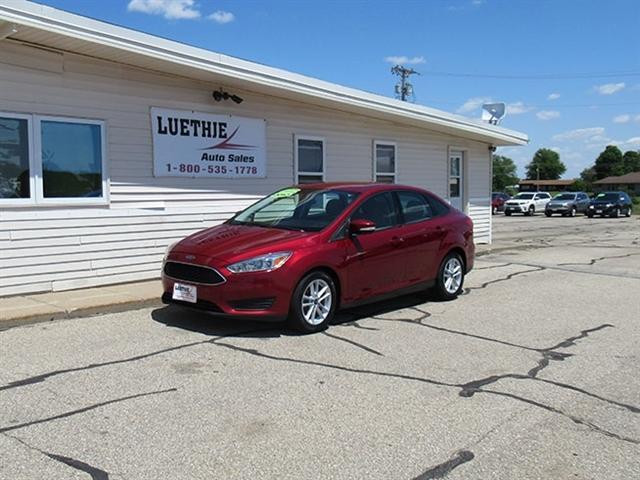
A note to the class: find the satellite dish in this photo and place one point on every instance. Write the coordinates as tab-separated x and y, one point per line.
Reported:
493	112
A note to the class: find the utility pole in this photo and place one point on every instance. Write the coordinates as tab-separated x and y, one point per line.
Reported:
403	89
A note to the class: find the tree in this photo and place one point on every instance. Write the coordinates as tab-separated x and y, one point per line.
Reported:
547	163
609	163
587	177
631	161
504	173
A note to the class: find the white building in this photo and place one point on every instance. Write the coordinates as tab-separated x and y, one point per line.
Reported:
93	186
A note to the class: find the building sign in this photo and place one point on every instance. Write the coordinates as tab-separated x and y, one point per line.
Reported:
195	144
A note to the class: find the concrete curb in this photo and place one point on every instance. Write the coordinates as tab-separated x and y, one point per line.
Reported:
6	324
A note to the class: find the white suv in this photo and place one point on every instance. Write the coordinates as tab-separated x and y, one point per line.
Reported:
527	202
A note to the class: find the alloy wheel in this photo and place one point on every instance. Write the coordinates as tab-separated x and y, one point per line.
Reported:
452	275
316	301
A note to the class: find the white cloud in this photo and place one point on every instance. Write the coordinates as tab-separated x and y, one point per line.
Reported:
477	3
404	60
632	142
553	96
222	17
585	134
516	108
609	88
171	9
547	114
637	119
622	118
473	104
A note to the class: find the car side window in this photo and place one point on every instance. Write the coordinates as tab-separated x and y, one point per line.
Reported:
537	197
437	207
380	209
414	206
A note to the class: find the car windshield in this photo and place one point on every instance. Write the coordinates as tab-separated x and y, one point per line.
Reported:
296	209
565	196
524	196
607	196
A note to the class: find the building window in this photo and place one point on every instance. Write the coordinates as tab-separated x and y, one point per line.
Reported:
310	159
15	158
384	162
51	160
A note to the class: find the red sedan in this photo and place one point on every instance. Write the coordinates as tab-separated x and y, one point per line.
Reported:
303	252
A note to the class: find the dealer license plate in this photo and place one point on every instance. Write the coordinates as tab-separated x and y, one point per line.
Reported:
185	293
598	211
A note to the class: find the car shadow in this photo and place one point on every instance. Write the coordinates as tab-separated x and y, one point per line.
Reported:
206	324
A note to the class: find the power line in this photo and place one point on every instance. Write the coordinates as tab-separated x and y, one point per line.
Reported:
546	76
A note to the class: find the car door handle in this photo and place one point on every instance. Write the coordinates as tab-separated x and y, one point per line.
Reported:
397	241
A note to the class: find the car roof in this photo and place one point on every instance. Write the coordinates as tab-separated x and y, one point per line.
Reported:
357	186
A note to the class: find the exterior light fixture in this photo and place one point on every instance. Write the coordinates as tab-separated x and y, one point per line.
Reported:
219	95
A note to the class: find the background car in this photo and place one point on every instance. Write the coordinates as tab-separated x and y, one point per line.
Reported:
497	202
611	204
527	202
568	203
303	252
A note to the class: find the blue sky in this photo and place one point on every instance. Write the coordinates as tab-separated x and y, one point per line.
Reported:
569	70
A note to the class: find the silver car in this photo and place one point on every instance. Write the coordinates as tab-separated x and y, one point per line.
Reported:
568	204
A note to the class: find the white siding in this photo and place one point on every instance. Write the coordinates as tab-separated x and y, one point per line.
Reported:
44	248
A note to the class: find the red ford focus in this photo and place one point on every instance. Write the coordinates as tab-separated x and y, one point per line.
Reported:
303	252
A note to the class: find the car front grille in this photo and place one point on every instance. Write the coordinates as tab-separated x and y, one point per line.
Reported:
193	273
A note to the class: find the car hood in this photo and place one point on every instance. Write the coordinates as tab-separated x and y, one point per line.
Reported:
230	241
602	202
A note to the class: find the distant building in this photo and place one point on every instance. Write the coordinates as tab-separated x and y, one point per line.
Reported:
629	182
546	185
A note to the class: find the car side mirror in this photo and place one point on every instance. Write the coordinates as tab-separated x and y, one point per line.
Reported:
361	225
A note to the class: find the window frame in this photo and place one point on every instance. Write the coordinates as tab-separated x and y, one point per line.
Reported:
393	175
40	198
31	200
297	172
36	186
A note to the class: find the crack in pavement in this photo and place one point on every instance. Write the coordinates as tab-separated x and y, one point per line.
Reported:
537	268
599	259
44	376
467	389
548	353
443	469
354	343
84	409
96	473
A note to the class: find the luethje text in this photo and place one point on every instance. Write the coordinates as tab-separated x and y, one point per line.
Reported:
188	127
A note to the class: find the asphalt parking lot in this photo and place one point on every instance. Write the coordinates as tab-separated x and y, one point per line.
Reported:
531	374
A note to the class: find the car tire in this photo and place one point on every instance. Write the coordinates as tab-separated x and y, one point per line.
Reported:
507	213
450	277
628	212
531	212
306	314
572	212
616	213
590	215
548	214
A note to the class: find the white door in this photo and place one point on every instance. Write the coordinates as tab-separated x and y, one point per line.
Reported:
456	193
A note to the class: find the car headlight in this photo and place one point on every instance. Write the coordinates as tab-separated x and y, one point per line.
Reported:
591	206
609	205
263	263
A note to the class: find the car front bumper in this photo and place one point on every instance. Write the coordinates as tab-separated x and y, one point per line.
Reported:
514	208
254	295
